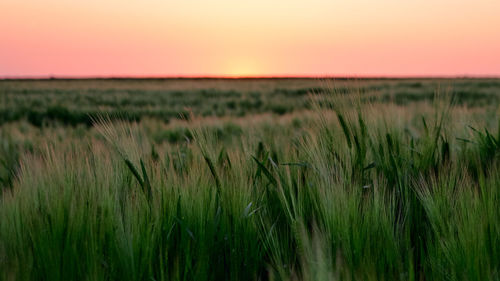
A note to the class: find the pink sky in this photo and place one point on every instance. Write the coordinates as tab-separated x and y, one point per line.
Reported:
249	38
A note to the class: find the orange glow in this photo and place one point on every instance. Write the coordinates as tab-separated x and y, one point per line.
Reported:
249	38
242	67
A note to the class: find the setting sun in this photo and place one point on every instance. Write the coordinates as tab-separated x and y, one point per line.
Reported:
242	67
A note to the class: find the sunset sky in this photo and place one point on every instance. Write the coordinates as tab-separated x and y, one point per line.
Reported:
249	38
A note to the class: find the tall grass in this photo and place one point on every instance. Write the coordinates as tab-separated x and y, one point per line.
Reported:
358	191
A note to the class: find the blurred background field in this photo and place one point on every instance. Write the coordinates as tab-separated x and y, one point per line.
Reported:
73	102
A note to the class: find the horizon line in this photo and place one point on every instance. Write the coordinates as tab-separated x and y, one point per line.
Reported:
234	77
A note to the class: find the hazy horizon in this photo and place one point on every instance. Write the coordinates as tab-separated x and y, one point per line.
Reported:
187	77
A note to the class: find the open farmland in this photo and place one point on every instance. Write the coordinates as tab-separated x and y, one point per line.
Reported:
250	179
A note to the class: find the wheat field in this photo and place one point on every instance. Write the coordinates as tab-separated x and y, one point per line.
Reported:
252	179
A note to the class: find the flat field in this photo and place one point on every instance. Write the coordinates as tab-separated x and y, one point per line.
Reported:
250	179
